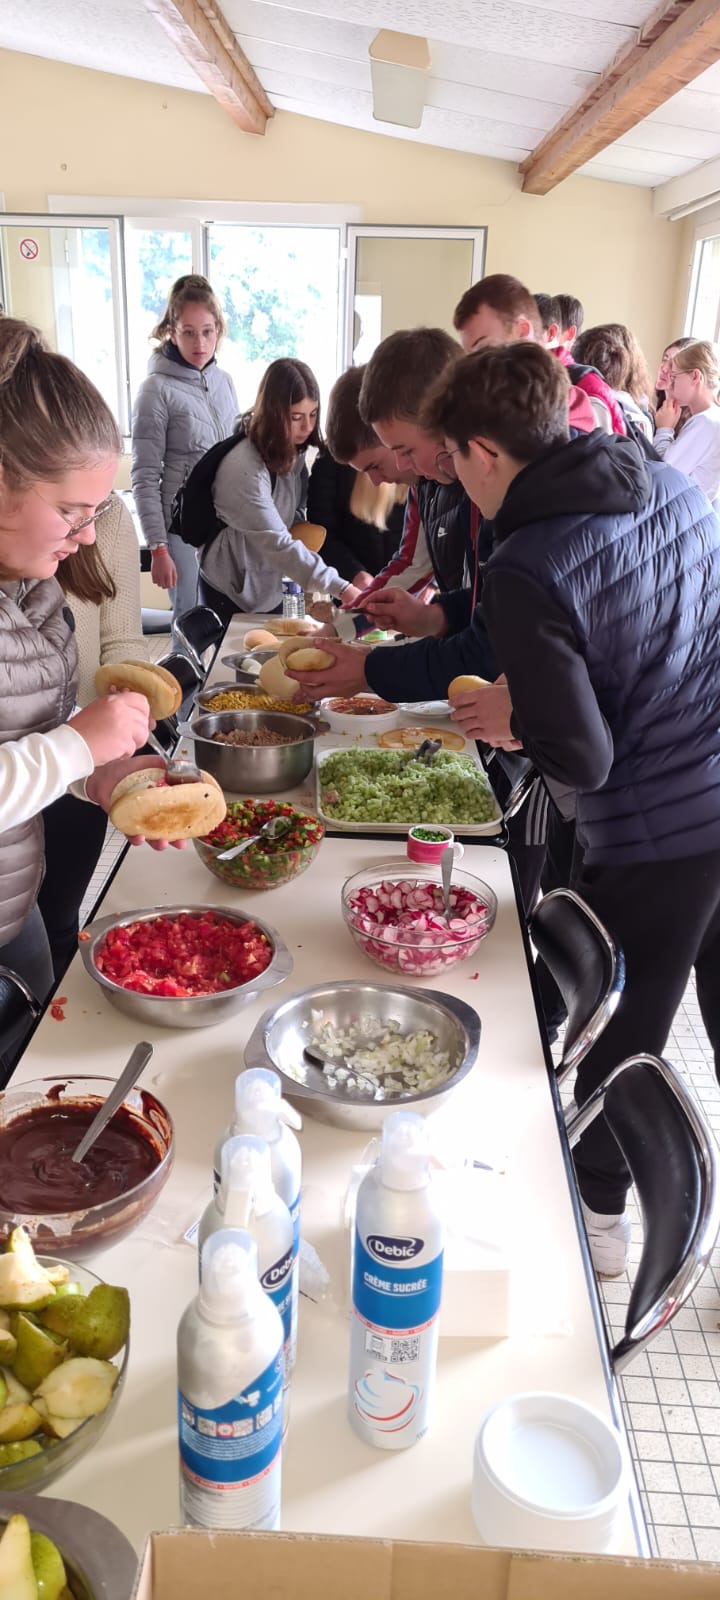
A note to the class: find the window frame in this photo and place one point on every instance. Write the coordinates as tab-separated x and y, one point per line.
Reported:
477	235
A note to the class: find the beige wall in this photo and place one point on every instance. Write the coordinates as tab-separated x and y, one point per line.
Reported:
419	280
69	131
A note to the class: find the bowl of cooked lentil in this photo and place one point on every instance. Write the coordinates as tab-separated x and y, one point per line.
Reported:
258	751
270	862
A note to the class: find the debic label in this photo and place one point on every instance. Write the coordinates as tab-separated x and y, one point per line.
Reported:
276	1274
393	1249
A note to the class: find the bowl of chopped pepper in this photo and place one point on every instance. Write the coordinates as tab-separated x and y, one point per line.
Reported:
270	862
184	966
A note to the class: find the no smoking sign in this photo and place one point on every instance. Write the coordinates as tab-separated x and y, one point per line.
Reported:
29	249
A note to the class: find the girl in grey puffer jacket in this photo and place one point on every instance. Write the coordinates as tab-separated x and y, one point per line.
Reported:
185	405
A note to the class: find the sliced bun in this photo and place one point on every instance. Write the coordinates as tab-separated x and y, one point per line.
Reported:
289	627
309	659
274	680
260	638
159	687
466	682
143	803
310	534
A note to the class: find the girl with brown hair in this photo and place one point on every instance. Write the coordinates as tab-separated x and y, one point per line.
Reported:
102	585
59	448
260	493
186	404
613	350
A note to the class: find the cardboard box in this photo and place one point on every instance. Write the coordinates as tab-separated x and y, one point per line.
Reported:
188	1564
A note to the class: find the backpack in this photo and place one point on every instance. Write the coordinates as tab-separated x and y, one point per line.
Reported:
193	516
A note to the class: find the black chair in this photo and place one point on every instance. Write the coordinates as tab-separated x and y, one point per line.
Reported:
189	679
673	1159
19	1009
196	631
586	964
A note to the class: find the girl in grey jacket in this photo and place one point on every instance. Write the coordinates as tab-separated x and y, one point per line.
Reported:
259	492
186	404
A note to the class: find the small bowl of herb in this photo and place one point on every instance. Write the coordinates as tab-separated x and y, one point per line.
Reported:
427	840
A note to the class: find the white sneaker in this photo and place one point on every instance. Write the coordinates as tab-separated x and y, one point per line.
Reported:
609	1240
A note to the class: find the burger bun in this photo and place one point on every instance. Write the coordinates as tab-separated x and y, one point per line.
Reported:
260	639
160	688
144	803
465	684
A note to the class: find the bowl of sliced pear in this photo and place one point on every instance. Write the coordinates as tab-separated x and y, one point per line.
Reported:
64	1342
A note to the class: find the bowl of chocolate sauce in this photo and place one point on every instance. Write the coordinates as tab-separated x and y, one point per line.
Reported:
76	1208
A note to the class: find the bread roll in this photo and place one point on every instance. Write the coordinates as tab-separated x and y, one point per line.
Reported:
289	627
465	683
144	803
310	659
260	639
310	534
160	688
274	681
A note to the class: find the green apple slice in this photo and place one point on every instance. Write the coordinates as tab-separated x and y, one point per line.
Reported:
23	1282
17	1394
18	1422
48	1567
12	1453
97	1325
17	1577
80	1388
37	1353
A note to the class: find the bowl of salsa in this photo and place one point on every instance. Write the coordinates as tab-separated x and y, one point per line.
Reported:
271	862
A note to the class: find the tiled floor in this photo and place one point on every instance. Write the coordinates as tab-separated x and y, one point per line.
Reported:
671	1394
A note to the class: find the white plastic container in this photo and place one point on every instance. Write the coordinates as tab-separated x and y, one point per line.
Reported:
349	722
230	1393
246	1199
549	1473
396	1290
261	1110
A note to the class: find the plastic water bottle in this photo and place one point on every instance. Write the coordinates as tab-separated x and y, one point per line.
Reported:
261	1110
396	1291
230	1393
293	604
246	1199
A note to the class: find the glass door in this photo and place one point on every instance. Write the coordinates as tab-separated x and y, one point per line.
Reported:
406	278
156	253
64	274
279	289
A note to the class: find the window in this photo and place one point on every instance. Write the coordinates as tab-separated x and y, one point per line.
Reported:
155	255
64	275
703	318
407	278
279	291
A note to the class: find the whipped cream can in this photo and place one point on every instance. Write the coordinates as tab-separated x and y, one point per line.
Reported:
397	1290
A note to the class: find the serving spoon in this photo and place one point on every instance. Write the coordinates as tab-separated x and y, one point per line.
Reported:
127	1080
274	828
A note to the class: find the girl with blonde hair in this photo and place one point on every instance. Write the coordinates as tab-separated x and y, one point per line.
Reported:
694	384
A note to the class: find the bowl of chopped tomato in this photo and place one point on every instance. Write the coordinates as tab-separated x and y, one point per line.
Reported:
184	966
270	862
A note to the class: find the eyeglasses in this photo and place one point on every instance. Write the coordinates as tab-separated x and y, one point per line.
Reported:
444	458
82	522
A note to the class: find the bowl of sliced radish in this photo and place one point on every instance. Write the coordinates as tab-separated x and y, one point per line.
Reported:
397	919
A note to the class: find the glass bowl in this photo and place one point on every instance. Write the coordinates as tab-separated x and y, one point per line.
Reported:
394	912
268	864
78	1233
58	1455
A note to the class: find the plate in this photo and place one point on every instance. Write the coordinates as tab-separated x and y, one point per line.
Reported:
469	830
425	708
92	1546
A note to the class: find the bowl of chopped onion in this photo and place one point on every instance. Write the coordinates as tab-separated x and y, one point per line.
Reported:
349	1053
397	918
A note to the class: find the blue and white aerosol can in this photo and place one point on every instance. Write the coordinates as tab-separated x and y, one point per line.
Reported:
261	1110
396	1291
230	1393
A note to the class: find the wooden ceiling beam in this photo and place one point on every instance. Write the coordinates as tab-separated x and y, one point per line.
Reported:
678	42
199	31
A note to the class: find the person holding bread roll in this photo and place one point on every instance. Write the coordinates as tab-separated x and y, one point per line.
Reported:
59	448
260	494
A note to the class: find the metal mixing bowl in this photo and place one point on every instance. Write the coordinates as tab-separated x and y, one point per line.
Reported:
197	1011
281	1035
254	769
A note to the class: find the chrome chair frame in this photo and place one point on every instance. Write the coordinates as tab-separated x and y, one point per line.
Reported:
608	1004
682	1283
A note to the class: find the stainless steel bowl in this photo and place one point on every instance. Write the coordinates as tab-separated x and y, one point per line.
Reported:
207	695
198	1011
254	769
235	663
100	1562
281	1035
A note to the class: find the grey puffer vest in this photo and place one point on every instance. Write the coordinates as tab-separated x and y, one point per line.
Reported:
38	669
179	414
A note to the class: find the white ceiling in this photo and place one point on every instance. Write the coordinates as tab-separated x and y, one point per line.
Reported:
503	71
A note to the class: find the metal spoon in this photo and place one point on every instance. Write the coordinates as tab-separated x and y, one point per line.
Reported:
447	861
177	768
274	828
138	1061
332	1063
425	752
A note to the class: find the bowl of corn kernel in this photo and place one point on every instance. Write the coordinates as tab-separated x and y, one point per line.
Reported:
230	697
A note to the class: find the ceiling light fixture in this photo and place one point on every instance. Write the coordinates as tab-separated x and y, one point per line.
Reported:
399	68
